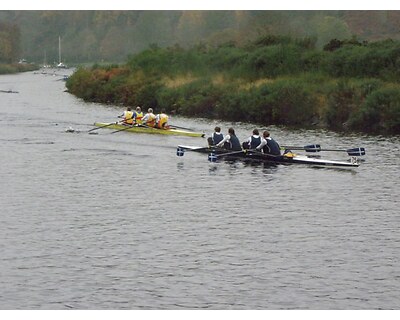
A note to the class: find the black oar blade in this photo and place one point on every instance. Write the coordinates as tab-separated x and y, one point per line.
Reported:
212	157
356	152
180	152
312	148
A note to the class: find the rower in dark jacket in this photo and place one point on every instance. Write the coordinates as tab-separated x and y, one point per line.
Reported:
269	145
253	141
230	141
216	137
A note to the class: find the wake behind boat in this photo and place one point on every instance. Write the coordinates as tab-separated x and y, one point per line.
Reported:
147	129
253	155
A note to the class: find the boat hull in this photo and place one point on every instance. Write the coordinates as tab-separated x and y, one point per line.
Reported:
145	129
248	155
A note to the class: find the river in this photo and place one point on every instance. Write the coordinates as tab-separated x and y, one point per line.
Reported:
118	221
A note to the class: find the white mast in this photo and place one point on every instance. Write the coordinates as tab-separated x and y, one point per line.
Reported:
59	49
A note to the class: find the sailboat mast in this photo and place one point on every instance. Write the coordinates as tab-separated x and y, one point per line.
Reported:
59	49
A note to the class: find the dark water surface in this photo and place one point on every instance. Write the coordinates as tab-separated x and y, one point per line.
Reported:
118	221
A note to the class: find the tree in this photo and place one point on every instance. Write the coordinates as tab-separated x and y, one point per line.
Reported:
9	43
328	28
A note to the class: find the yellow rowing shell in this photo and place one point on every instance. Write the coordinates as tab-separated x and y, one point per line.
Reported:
144	129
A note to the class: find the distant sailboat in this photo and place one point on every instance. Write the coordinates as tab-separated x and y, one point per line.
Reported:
45	65
60	64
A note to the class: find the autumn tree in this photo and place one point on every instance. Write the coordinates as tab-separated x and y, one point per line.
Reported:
9	43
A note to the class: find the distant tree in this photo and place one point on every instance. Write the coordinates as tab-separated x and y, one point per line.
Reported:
111	45
9	43
153	27
190	27
328	27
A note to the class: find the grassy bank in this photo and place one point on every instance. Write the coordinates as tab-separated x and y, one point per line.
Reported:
16	67
349	86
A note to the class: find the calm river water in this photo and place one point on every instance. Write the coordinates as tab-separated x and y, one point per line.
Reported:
118	221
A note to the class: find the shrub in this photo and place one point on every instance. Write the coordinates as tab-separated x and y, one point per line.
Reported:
292	103
380	112
341	104
274	60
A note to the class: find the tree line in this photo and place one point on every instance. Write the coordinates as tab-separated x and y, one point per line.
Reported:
10	50
351	85
90	36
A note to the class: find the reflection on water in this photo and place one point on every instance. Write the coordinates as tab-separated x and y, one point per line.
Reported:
180	165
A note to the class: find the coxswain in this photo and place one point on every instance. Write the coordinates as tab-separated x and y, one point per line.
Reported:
127	116
162	120
230	141
269	145
149	119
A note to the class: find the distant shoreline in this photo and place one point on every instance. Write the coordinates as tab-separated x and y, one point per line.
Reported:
17	67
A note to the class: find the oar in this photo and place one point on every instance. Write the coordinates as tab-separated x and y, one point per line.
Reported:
123	129
135	125
309	148
177	127
107	125
212	157
146	126
354	152
180	150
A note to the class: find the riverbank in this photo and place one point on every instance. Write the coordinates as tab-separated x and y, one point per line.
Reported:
17	67
349	86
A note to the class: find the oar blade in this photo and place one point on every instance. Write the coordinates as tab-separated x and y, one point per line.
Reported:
180	152
356	152
212	157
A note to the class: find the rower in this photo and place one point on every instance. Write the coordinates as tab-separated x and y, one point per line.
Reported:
253	141
162	120
216	137
269	145
138	115
230	141
149	119
127	116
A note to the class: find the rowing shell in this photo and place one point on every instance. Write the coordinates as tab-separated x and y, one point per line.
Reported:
267	158
145	129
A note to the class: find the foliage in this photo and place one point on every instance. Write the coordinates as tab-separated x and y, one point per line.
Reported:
380	112
342	102
17	67
275	80
89	36
9	43
379	59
